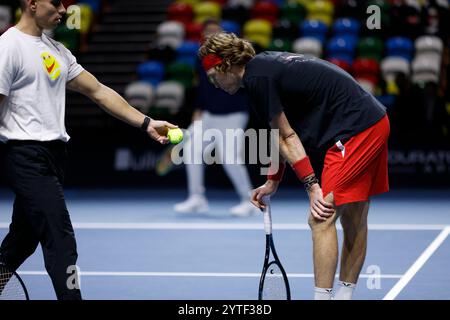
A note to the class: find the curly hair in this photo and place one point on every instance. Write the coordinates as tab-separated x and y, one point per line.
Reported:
233	50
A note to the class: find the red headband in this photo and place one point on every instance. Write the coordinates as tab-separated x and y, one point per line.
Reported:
210	61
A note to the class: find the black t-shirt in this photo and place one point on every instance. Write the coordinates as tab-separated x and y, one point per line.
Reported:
322	103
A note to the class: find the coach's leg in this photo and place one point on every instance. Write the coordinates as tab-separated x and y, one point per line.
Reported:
56	235
354	225
21	240
325	252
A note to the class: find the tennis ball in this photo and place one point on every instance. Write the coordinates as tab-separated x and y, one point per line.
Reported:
175	135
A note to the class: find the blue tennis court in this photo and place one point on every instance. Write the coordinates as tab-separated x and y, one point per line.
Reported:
132	245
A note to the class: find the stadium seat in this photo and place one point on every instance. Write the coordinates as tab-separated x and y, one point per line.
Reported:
70	38
231	26
367	69
340	63
400	46
95	5
265	10
187	52
189	2
5	18
293	11
182	73
245	3
425	70
151	72
391	66
87	17
181	12
170	33
366	84
314	29
306	45
342	47
169	96
321	10
280	44
206	10
430	46
193	31
346	26
370	47
258	31
140	95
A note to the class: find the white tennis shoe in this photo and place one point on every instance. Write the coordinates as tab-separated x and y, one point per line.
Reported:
244	209
193	204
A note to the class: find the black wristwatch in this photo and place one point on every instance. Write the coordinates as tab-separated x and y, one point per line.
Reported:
145	124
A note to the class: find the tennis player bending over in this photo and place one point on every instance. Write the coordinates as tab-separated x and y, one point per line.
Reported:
316	106
34	74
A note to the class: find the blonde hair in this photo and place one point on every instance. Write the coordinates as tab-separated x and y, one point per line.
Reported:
233	50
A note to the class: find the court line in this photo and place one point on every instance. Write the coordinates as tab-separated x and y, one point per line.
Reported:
230	226
417	265
197	274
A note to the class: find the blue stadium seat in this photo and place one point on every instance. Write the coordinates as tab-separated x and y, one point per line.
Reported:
151	71
400	47
314	29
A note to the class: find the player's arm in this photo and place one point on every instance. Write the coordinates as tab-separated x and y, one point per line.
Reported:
110	101
291	149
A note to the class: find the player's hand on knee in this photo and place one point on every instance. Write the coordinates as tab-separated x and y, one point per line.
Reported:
267	189
320	209
158	129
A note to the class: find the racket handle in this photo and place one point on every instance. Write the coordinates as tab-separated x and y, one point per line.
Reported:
267	215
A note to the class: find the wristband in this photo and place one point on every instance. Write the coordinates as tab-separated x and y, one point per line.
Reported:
145	124
303	168
279	174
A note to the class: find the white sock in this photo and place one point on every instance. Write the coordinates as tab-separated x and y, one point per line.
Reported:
323	293
345	291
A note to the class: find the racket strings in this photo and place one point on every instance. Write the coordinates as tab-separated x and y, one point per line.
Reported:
10	286
275	287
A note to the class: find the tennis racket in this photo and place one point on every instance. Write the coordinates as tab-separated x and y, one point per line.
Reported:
11	285
273	284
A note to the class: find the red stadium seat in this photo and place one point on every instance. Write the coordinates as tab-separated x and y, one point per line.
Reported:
181	12
265	10
194	31
366	69
340	63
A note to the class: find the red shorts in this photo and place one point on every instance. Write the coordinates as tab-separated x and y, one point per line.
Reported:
359	168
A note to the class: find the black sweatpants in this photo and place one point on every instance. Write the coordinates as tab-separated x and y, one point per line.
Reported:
35	172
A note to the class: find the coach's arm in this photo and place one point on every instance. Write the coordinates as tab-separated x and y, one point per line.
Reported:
110	101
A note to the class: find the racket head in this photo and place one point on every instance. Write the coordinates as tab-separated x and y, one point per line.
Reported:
274	284
12	286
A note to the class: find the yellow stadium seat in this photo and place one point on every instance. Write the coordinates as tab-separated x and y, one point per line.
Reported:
320	8
190	2
206	10
258	27
327	19
87	17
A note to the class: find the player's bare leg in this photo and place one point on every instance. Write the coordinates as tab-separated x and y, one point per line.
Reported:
354	224
325	248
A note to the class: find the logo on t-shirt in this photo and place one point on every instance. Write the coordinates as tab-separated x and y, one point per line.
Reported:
51	65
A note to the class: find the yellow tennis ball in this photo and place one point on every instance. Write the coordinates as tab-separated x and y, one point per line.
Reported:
175	135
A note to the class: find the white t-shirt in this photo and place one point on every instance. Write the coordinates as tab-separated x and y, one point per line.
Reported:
33	76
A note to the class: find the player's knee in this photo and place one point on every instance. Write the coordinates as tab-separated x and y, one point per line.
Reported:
317	225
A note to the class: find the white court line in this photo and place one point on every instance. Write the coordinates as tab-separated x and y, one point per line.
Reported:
398	287
231	226
196	274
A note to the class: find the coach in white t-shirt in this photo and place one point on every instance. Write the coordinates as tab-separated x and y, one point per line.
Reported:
34	73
